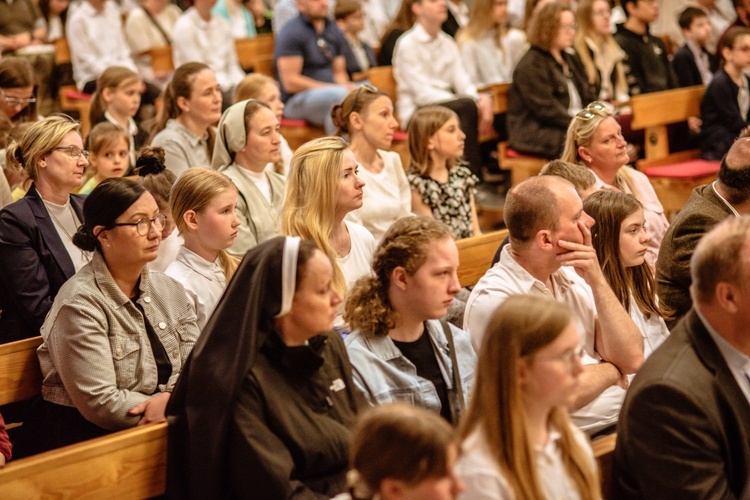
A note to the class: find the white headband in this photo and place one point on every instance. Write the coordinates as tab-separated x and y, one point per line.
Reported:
288	273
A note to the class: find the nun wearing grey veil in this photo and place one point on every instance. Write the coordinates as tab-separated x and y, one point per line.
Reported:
261	192
264	406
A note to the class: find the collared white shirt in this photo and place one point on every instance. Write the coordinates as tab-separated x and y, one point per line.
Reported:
209	42
428	71
204	282
737	361
487	63
96	41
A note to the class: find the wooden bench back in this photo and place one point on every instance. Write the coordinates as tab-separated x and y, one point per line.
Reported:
20	375
475	255
654	111
256	53
381	77
161	58
604	452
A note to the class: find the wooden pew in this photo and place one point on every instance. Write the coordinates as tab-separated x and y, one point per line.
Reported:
71	99
475	255
161	58
256	54
20	375
604	452
673	175
127	464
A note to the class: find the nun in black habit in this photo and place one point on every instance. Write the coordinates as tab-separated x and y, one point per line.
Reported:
264	406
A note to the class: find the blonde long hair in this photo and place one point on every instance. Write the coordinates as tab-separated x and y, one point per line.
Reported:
481	21
584	14
310	197
521	326
194	190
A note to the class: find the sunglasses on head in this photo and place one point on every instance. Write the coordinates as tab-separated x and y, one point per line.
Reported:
592	110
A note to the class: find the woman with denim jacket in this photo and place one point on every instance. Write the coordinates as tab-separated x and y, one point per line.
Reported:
399	349
117	335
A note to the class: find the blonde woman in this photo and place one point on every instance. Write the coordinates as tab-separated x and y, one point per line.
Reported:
601	56
322	187
490	48
202	205
518	441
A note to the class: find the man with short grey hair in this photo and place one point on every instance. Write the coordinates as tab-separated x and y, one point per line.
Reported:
684	429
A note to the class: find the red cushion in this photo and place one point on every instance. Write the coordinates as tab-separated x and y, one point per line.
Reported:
400	135
512	153
288	122
685	170
78	96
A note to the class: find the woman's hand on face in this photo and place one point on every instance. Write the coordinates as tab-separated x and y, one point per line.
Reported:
152	410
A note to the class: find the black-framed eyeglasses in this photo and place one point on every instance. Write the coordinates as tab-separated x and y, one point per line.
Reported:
143	226
592	110
17	100
74	152
324	48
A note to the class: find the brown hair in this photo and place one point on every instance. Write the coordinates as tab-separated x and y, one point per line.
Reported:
581	177
17	72
729	40
545	24
194	190
345	8
181	85
154	175
609	209
355	101
399	442
521	326
481	22
112	78
406	244
426	123
104	134
404	19
531	206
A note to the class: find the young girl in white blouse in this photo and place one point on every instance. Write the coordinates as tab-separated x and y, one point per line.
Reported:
518	441
202	205
366	117
620	240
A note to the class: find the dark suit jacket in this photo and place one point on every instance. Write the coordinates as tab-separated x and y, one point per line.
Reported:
684	429
451	26
702	211
34	264
683	64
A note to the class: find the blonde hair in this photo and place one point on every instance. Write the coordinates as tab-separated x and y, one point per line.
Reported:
251	86
426	123
310	196
581	134
406	244
194	190
584	15
39	140
521	326
112	78
482	21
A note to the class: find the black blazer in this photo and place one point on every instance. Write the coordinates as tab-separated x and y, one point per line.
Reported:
34	264
683	64
684	428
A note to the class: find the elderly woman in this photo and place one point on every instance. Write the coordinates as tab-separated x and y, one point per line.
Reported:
265	406
117	335
595	140
249	140
37	254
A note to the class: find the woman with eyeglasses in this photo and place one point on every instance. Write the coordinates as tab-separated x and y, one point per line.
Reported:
18	87
549	85
518	440
117	335
365	116
37	254
595	140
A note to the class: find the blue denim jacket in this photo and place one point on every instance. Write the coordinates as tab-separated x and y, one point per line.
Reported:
384	375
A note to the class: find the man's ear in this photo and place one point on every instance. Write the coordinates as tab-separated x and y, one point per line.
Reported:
727	297
544	240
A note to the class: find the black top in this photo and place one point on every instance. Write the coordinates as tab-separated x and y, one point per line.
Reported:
646	63
420	353
388	45
163	364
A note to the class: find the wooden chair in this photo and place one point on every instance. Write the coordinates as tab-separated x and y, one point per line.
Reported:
161	59
475	255
127	464
521	166
20	375
71	99
256	54
673	175
604	452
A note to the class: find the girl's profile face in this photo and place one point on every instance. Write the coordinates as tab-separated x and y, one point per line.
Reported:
600	16
633	239
448	141
739	53
218	223
125	99
112	160
13	100
500	11
271	96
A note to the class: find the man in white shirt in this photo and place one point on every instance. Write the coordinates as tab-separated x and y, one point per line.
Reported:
428	70
199	36
550	254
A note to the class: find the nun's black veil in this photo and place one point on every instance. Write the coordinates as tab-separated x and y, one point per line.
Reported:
202	404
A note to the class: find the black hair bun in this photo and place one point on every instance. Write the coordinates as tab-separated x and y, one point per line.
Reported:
149	165
84	240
